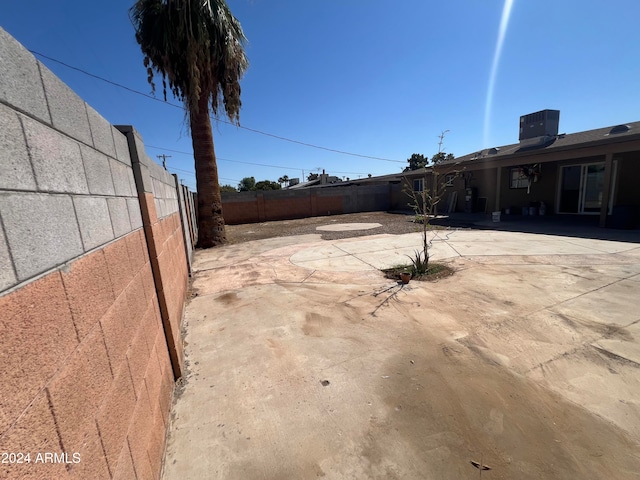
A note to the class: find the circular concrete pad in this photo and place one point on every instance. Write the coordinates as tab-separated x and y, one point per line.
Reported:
346	227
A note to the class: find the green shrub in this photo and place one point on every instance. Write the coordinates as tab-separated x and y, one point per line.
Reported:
419	263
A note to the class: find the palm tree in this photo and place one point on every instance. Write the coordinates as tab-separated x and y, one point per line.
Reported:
197	46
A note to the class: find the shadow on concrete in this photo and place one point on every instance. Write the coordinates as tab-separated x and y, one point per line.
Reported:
565	225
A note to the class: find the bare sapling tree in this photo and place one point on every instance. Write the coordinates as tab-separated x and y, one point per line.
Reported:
426	193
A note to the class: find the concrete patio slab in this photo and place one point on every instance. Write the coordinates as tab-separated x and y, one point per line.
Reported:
615	304
319	252
348	227
623	349
403	256
377	243
603	246
232	254
346	263
525	361
520	247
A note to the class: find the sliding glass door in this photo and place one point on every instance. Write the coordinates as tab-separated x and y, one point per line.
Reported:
593	188
570	184
582	187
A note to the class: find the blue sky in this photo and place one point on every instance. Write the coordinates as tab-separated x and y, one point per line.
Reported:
369	77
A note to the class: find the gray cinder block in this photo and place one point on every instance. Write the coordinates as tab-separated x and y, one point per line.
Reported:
94	220
56	159
98	171
143	180
135	216
68	110
155	170
172	206
158	210
122	149
41	229
7	274
132	183
121	182
15	167
101	132
155	185
20	82
138	157
119	213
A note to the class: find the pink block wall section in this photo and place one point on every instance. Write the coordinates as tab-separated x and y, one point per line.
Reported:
166	249
85	367
88	237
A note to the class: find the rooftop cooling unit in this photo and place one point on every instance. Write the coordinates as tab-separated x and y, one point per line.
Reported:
540	124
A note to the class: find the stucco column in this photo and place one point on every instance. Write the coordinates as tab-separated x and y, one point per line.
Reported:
606	189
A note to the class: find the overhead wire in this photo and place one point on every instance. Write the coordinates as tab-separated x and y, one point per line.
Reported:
98	77
250	163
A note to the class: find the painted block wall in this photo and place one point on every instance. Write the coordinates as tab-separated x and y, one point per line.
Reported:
162	220
84	359
259	206
184	219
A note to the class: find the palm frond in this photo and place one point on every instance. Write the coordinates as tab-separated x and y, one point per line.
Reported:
197	47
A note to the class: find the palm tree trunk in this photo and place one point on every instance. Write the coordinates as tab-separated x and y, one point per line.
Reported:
210	220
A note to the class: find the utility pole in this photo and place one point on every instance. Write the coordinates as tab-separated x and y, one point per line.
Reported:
441	137
164	160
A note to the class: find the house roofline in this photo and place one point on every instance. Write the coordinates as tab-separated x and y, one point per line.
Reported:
600	143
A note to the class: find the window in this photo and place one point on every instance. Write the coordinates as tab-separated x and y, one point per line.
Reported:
518	179
418	185
448	180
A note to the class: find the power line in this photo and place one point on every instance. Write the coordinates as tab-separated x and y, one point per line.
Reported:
247	163
316	146
218	119
193	174
182	171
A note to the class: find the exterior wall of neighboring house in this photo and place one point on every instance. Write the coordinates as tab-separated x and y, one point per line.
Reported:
92	266
397	199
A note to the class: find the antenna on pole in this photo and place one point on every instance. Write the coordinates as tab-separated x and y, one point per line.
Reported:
441	137
164	160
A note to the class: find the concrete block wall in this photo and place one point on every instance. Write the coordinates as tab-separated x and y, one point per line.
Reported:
285	204
328	203
261	206
185	219
84	360
241	207
192	221
162	220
